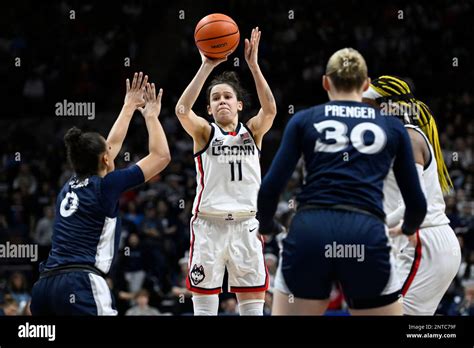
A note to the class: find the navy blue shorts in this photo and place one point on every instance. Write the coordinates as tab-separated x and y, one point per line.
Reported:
72	293
327	246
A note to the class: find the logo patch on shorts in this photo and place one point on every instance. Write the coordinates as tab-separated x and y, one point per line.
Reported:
197	274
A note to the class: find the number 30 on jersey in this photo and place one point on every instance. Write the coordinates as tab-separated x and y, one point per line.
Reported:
336	132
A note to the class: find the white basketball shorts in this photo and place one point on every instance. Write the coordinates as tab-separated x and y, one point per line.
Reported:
427	268
218	243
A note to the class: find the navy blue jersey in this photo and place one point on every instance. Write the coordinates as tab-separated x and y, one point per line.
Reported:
348	148
87	227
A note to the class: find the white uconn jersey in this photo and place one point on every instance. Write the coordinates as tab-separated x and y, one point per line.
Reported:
435	215
228	173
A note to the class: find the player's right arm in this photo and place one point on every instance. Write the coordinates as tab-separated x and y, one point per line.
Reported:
197	127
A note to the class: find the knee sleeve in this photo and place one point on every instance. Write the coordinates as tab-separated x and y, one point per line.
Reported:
206	304
251	307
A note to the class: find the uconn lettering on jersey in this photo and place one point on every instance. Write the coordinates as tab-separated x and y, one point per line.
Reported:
349	111
230	153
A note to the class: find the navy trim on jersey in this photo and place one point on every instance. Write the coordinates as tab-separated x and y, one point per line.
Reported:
207	144
227	133
201	171
251	134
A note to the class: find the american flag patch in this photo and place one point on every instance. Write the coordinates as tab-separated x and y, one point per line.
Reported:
245	136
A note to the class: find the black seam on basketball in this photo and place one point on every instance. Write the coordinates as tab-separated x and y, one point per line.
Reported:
220	51
217	20
218	37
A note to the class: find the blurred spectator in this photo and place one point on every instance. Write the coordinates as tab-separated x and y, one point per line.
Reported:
179	291
9	307
44	228
18	290
132	215
25	179
34	88
142	308
134	265
46	197
229	306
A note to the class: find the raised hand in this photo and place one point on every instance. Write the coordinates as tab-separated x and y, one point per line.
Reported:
152	101
251	48
135	93
211	62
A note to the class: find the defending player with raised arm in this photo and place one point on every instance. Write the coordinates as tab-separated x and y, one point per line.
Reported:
87	225
227	151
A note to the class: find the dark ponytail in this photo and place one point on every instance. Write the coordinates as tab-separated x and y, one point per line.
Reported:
83	151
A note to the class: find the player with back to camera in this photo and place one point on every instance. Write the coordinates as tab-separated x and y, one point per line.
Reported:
348	148
224	230
429	260
87	227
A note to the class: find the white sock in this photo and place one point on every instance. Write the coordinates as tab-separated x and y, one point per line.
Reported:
251	307
206	304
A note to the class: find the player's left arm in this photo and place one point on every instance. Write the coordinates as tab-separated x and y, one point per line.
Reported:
134	98
277	177
262	122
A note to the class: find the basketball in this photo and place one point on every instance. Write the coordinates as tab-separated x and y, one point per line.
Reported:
216	35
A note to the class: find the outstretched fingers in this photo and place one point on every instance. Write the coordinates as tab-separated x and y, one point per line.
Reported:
144	82
134	81
160	94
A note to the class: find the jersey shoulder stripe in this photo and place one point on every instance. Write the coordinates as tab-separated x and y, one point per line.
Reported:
211	135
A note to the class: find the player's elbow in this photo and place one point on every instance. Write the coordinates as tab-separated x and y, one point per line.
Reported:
161	161
165	159
181	110
270	112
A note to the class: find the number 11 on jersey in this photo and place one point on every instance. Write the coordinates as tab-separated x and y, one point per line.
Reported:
233	166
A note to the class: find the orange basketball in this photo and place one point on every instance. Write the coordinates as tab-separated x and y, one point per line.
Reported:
217	35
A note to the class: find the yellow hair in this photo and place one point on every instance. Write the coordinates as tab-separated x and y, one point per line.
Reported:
388	86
